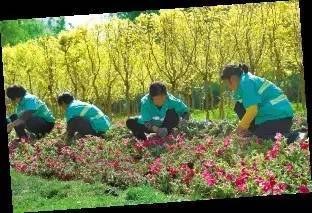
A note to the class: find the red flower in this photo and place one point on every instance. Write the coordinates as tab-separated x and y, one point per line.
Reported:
229	177
240	182
303	189
210	180
172	171
304	145
220	171
188	173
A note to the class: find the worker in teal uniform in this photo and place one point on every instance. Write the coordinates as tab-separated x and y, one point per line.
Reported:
160	113
262	107
82	118
31	114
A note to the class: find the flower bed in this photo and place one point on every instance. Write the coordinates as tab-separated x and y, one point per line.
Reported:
202	162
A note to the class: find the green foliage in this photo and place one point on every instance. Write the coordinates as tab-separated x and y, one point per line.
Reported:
18	31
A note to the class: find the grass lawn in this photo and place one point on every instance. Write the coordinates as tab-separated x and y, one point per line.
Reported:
31	193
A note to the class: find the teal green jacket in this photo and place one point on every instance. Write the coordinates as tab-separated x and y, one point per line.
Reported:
150	112
32	103
272	103
99	121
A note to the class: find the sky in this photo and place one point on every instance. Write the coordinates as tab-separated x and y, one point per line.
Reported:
88	20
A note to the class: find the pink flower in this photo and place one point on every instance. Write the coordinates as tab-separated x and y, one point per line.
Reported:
278	137
139	146
279	188
156	166
208	164
289	167
259	180
303	189
200	149
271	154
210	180
226	142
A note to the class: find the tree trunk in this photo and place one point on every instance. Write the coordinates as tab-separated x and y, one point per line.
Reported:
221	104
127	86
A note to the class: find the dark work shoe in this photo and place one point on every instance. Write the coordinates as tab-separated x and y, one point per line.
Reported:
292	137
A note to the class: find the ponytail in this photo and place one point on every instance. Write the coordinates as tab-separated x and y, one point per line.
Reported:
244	68
234	69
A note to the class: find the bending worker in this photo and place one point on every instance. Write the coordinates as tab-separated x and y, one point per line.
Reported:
82	118
261	106
31	114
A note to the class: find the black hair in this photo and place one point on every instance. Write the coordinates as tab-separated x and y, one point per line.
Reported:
157	88
15	91
65	98
233	69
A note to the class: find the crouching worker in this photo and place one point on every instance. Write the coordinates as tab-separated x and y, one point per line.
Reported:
82	118
160	113
31	114
261	106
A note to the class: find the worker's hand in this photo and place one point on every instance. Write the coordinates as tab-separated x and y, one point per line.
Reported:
162	132
241	131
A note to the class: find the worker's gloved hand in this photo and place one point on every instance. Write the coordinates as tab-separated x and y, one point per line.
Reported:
162	132
151	127
242	132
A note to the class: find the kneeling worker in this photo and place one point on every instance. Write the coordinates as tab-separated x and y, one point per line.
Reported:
160	113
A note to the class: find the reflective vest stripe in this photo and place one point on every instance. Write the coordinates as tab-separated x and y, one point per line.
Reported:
264	86
157	118
278	99
84	111
99	115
